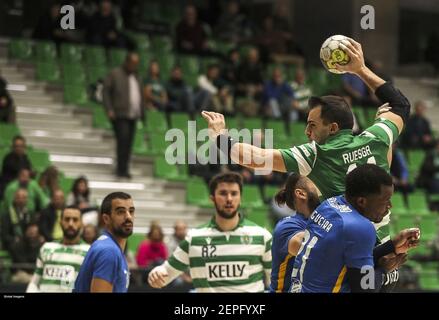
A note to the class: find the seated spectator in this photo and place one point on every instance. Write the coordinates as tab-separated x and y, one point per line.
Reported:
429	174
229	71
26	251
417	132
180	94
215	94
49	181
154	90
14	219
302	92
153	249
37	200
233	26
190	34
282	24
80	197
180	231
90	233
50	217
13	162
49	26
400	173
358	91
270	41
250	83
7	108
278	98
102	29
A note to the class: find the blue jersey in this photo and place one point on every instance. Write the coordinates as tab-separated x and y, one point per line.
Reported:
337	237
104	260
282	261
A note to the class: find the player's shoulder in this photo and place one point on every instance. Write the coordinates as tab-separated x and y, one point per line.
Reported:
104	243
357	226
53	245
290	224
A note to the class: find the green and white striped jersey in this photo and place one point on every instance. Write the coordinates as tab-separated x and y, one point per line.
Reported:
328	164
57	267
232	261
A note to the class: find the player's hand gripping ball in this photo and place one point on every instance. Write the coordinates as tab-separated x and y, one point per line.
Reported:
331	53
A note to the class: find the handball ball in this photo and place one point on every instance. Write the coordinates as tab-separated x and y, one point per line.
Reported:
331	53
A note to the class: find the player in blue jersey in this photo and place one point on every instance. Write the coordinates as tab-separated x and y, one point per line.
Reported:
337	252
299	194
105	268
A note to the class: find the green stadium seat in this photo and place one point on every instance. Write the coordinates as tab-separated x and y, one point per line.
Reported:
197	193
96	73
140	146
141	41
75	94
3	152
223	46
398	204
95	56
191	79
157	144
405	222
166	61
205	62
7	132
179	120
71	53
48	71
251	197
20	49
270	192
167	171
40	159
45	51
161	44
134	241
297	135
260	216
429	278
155	121
100	119
418	203
66	184
146	57
429	227
117	57
278	128
189	64
74	74
252	123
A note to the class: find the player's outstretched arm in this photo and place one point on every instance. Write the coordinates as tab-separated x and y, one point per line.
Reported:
385	91
243	153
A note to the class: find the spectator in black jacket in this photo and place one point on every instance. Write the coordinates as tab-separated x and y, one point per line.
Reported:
13	162
418	133
7	109
50	217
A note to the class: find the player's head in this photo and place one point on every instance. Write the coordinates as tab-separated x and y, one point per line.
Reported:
117	211
369	189
225	193
131	63
299	194
71	222
327	115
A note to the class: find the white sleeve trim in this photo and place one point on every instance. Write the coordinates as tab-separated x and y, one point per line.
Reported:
304	167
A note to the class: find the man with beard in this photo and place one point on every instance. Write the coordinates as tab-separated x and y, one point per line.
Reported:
299	194
58	262
227	254
105	268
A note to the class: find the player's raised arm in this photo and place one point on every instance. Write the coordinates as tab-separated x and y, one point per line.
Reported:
385	91
242	153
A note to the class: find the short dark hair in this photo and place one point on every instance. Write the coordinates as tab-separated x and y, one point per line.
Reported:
365	180
285	195
72	207
228	177
18	137
106	203
333	109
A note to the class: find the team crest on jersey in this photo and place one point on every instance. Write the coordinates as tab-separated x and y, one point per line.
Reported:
246	239
340	207
208	240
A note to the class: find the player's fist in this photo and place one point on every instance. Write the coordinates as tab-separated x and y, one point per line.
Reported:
392	261
157	277
406	239
215	123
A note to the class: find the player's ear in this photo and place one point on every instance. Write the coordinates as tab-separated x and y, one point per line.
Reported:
361	202
300	194
333	128
212	198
